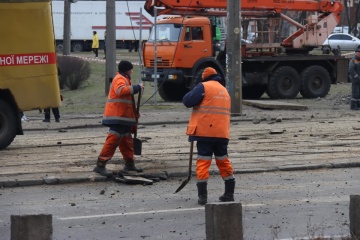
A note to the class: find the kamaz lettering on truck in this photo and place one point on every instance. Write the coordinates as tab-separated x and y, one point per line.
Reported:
28	78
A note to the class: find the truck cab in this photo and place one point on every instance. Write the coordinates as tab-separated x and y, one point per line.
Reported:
179	47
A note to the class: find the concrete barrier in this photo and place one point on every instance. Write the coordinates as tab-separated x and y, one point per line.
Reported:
223	221
354	215
31	227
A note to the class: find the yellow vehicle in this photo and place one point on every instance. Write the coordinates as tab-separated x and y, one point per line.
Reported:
28	68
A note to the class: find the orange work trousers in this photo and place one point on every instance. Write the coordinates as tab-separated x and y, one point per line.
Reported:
115	140
205	152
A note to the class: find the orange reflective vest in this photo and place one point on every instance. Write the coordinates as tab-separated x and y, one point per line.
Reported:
212	117
119	107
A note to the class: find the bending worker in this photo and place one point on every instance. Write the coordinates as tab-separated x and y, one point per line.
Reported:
120	116
209	125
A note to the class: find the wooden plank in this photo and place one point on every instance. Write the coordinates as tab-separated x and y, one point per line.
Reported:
273	104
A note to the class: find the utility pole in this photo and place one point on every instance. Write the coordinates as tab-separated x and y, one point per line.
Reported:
66	36
140	47
155	56
233	57
110	44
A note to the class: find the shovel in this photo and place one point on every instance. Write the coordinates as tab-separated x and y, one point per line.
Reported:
190	163
137	142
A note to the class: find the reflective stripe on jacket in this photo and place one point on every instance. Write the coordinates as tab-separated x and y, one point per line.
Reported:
212	117
119	107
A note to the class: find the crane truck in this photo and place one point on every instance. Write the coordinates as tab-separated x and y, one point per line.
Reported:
281	66
29	77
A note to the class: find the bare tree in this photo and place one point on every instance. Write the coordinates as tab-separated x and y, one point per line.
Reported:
350	17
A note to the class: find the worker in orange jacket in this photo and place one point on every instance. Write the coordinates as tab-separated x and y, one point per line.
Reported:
209	125
120	116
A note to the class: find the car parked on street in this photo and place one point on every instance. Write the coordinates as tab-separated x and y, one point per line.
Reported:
340	41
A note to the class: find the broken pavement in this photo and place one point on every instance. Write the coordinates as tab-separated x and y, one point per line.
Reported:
56	153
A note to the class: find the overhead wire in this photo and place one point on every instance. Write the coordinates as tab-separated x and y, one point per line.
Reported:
173	58
132	28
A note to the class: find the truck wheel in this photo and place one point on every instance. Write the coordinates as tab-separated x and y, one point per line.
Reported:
171	92
221	58
253	92
7	124
77	47
284	83
59	47
315	82
197	78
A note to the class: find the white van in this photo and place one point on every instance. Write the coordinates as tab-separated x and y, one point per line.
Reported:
341	29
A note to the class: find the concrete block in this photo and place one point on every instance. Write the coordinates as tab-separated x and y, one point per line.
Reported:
73	180
223	221
29	182
51	180
8	183
354	215
31	227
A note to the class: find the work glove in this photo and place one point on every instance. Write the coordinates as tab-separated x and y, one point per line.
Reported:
138	115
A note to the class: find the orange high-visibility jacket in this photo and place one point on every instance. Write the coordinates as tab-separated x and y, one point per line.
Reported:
119	108
212	117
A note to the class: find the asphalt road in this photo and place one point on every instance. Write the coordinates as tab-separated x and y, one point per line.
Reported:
276	205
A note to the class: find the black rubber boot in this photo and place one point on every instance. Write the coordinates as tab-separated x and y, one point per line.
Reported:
229	191
130	166
202	192
101	169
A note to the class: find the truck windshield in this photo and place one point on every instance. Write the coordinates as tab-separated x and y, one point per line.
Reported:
166	32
